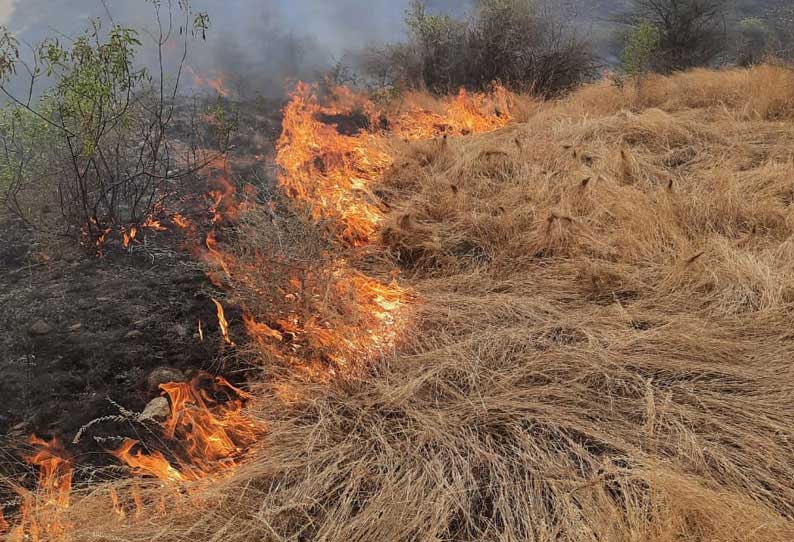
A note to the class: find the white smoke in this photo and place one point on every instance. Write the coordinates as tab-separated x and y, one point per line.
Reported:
257	44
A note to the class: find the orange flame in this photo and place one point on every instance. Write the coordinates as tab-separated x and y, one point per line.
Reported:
216	83
180	221
224	325
42	514
154	464
212	433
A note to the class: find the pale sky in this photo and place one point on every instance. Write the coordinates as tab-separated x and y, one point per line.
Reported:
6	7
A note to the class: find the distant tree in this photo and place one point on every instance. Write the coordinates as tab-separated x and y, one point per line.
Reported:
691	32
781	18
753	40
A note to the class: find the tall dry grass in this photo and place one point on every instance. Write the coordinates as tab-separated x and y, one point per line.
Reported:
602	350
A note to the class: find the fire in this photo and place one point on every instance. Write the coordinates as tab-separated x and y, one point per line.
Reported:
180	221
321	319
327	170
335	173
42	513
206	425
224	325
216	83
127	237
153	464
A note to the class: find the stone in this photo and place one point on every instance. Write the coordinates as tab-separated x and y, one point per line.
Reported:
157	410
164	375
39	328
134	334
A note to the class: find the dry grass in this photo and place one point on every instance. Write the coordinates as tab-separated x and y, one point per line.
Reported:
602	352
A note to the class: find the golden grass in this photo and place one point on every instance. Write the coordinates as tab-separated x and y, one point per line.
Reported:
602	350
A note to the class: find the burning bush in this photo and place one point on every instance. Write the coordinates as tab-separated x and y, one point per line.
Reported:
100	143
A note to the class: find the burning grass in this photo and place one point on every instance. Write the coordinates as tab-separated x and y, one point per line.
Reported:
599	340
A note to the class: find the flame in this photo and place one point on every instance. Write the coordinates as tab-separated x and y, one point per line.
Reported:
42	514
335	173
216	83
321	319
329	171
224	325
207	421
180	221
153	464
128	237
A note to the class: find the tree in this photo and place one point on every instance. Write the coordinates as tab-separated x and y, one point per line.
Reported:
642	47
691	32
512	42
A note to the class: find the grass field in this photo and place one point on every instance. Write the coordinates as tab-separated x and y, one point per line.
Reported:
600	348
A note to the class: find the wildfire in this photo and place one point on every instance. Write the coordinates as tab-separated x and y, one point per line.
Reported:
322	319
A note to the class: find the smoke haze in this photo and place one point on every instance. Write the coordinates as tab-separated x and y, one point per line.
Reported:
257	45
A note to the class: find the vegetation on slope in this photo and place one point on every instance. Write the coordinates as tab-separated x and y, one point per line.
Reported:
601	348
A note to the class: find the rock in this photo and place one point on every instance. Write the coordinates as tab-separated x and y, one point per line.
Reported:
164	375
157	410
75	327
39	329
134	334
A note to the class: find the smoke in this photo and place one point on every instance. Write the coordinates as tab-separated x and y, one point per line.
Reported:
257	46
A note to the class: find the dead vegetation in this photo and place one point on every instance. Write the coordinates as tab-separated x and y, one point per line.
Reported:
601	350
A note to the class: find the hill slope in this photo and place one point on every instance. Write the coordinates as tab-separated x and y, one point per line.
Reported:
601	348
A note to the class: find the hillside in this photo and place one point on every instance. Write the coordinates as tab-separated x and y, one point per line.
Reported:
588	337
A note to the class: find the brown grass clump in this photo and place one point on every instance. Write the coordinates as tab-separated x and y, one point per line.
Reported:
602	351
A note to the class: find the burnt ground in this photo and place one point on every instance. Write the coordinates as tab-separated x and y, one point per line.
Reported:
79	333
79	330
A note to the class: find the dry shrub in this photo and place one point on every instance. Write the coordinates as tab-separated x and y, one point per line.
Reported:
602	350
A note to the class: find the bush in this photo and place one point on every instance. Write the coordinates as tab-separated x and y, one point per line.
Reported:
100	143
505	41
